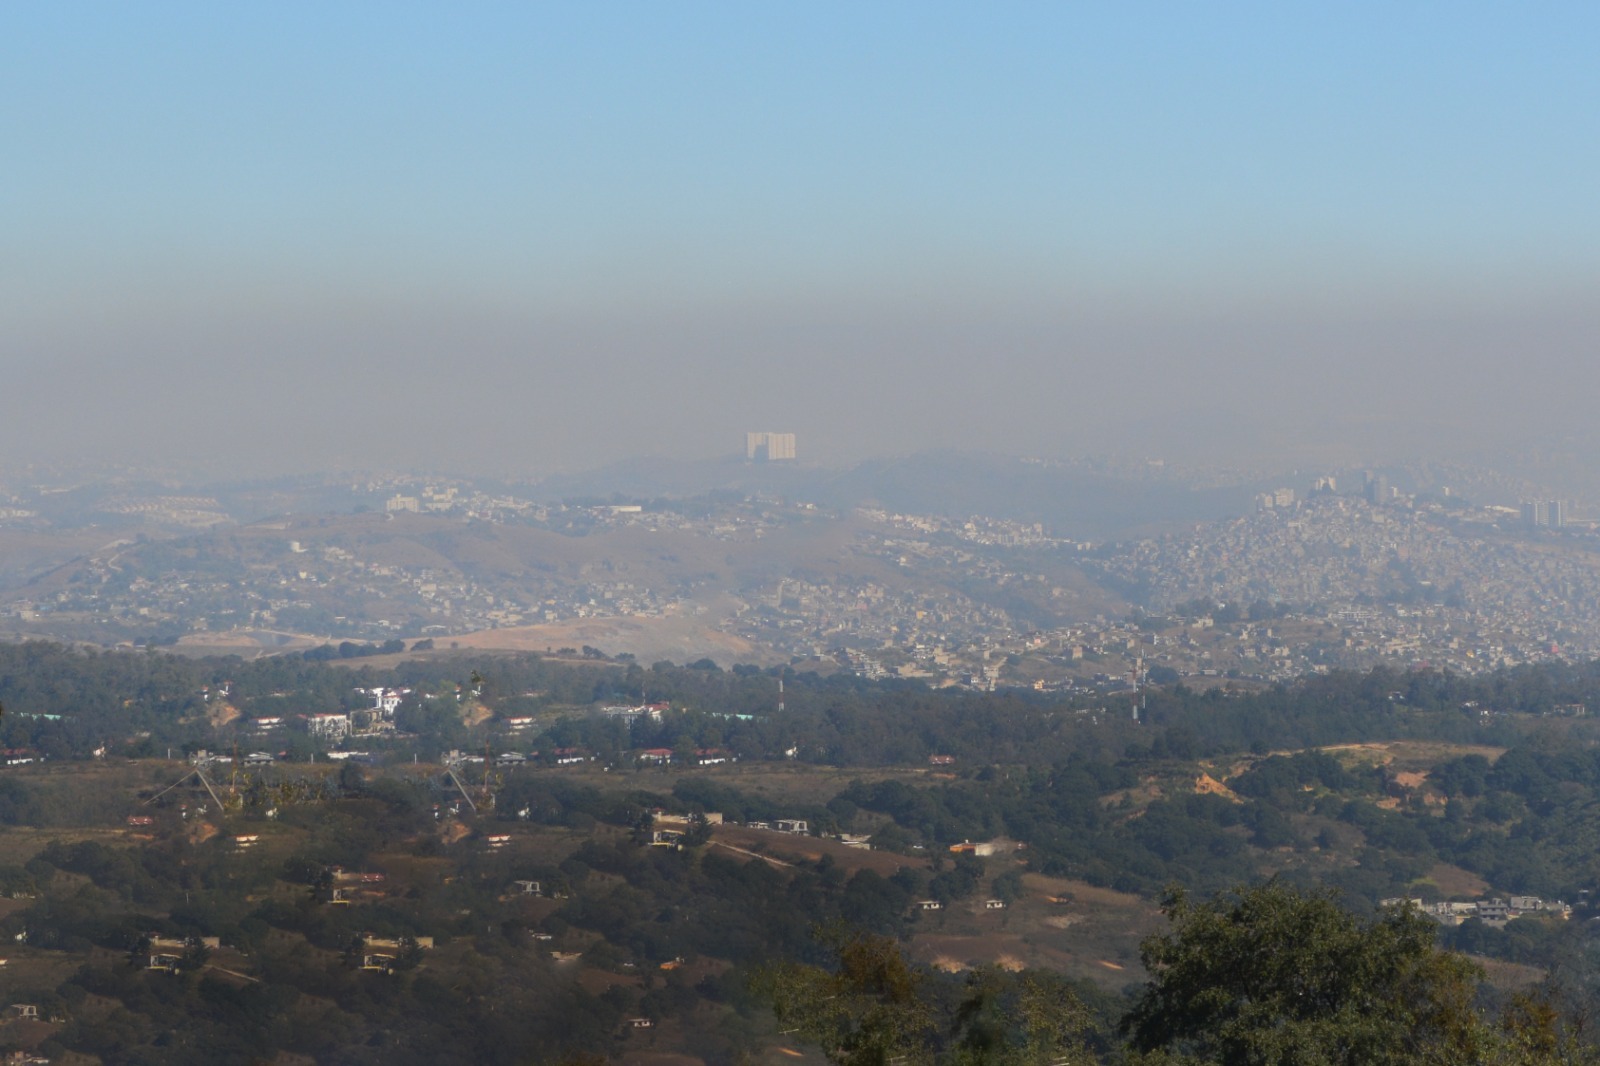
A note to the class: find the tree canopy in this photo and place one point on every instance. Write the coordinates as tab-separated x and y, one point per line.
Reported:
1273	976
874	1008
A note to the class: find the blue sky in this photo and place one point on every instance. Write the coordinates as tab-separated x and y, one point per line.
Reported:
747	202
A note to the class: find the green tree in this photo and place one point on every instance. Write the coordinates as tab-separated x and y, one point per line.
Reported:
1534	1031
352	781
1272	976
195	956
876	1009
1029	1019
867	1012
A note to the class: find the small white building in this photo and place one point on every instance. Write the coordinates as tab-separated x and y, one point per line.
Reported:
328	726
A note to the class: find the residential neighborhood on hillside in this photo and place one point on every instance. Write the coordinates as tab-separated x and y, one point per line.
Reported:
1311	580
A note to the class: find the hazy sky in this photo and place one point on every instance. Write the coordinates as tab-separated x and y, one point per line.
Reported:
519	237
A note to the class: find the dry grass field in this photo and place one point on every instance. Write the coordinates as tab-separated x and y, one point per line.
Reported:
678	636
1455	883
786	782
1408	755
789	848
1076	928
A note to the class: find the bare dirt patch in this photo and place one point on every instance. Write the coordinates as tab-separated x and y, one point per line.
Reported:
1410	754
1206	785
246	643
1363	754
475	714
222	713
201	832
679	637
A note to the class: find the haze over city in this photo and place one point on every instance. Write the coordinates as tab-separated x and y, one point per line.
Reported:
773	535
292	237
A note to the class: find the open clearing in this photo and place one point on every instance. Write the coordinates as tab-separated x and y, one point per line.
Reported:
1409	754
1455	883
792	848
678	636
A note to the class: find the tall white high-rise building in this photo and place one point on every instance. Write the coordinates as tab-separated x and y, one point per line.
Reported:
768	447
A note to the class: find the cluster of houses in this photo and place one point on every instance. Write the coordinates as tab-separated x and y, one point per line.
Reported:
368	721
373	720
702	756
510	759
381	954
936	905
203	758
667	829
332	727
223	690
344	886
164	954
1493	910
652	711
797	826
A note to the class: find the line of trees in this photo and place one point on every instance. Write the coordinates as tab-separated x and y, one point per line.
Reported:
1259	976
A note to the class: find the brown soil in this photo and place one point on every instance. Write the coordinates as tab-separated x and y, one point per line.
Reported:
201	832
676	637
475	714
1206	785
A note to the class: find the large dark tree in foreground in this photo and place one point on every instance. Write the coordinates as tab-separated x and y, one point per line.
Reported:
1275	977
875	1008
